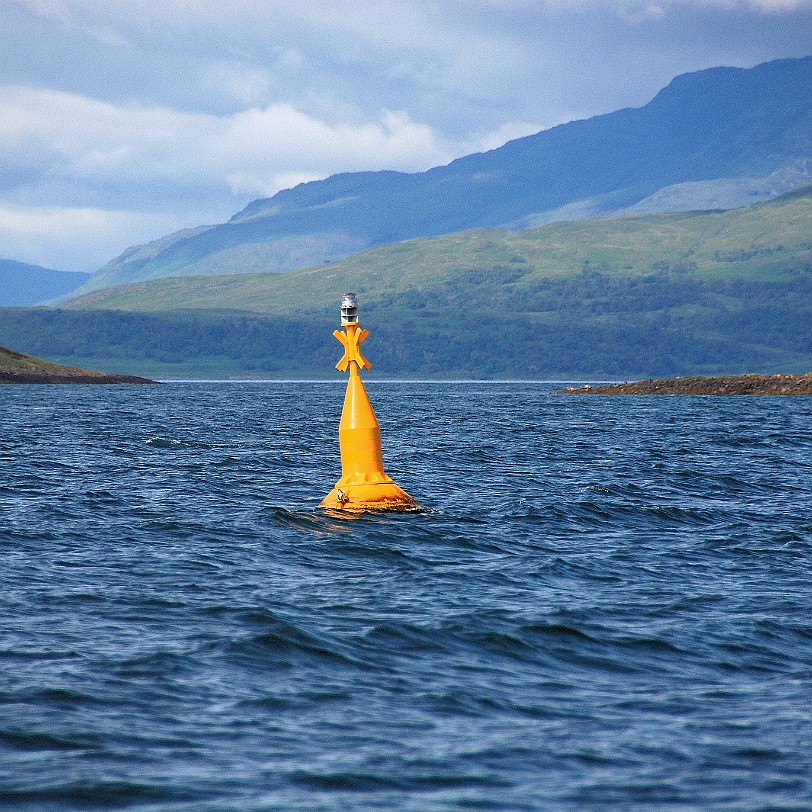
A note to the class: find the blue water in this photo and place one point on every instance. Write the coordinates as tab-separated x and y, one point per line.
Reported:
606	605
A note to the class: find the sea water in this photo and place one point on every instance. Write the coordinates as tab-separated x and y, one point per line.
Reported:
607	603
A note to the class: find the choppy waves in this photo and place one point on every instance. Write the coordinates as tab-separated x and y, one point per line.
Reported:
606	604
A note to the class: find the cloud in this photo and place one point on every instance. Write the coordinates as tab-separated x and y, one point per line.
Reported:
460	66
83	239
141	112
625	6
136	168
85	140
242	82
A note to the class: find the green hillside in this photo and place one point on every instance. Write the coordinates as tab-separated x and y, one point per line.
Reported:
711	292
768	241
11	360
18	368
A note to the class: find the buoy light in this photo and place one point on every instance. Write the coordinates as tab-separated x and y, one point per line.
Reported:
349	309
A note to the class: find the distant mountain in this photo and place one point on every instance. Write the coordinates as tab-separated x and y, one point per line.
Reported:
22	285
631	296
480	267
712	139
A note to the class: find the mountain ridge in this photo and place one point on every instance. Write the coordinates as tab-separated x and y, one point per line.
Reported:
23	284
750	241
704	127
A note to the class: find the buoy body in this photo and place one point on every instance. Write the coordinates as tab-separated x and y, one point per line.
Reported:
364	485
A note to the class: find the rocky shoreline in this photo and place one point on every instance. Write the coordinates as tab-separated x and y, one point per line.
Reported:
18	368
751	384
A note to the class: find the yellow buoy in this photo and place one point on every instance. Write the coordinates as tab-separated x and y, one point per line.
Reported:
363	485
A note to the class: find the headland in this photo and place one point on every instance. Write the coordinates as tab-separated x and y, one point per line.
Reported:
750	384
17	367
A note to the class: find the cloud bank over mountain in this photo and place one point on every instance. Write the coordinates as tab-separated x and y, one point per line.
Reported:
122	122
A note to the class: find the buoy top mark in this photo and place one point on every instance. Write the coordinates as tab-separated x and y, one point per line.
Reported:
352	340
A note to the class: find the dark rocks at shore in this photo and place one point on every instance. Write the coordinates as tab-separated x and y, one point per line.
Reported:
17	376
750	384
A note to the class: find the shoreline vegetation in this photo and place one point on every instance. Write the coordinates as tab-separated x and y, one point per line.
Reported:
750	384
19	368
607	299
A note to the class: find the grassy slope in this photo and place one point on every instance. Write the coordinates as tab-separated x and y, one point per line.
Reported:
17	367
9	359
754	243
139	255
723	292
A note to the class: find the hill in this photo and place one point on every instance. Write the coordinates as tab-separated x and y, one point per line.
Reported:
714	138
475	268
22	284
16	367
632	296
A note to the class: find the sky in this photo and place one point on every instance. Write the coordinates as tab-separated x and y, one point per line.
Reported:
122	121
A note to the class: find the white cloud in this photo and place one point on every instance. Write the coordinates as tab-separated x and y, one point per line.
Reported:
780	5
139	168
81	239
109	37
279	139
106	143
53	9
656	7
237	80
507	132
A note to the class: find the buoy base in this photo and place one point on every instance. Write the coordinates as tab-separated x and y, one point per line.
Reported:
378	496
